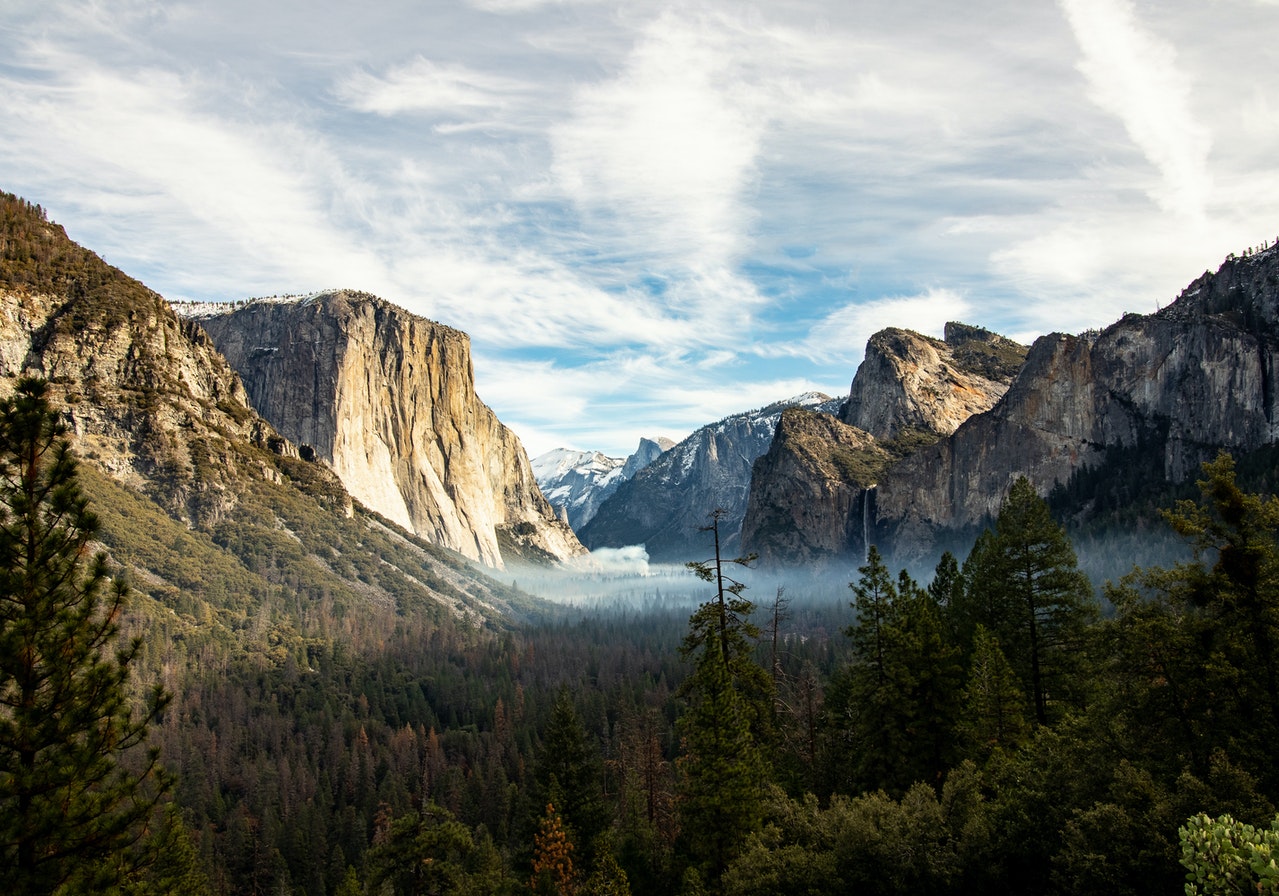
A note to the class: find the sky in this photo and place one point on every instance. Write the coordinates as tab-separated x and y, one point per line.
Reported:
651	215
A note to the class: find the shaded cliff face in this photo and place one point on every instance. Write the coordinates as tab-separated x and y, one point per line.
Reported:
1176	387
807	500
387	399
909	382
665	505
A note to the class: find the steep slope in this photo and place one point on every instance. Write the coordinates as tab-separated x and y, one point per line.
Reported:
910	391
1163	392
387	400
577	482
807	498
210	510
667	502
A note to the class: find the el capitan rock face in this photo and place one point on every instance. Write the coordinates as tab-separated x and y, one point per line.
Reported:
387	399
1178	386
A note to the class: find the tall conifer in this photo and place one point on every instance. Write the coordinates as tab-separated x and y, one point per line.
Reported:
71	805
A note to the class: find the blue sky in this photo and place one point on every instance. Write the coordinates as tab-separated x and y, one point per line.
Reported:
649	215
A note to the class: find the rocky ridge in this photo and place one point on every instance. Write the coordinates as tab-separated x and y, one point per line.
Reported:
911	382
1170	389
577	482
808	500
387	400
667	502
209	511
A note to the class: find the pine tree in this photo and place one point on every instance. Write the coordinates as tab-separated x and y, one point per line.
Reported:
898	701
74	793
722	771
993	714
568	773
1026	588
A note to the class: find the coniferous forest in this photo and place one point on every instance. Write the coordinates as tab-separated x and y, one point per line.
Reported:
996	729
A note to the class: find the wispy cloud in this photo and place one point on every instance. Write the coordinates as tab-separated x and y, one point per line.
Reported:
425	86
649	216
1134	75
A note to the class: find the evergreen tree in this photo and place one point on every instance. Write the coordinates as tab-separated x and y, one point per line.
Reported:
1028	591
993	707
1195	645
74	793
899	699
722	770
568	773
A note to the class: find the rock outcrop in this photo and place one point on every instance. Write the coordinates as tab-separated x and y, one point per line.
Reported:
809	502
387	399
147	395
808	498
910	383
1171	388
666	503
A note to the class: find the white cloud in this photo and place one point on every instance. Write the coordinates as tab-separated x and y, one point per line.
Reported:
669	146
1135	76
843	332
425	86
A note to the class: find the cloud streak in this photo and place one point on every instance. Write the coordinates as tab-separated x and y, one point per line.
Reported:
649	216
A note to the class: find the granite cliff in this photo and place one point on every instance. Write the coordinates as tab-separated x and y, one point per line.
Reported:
807	497
909	382
1165	391
387	400
223	531
808	500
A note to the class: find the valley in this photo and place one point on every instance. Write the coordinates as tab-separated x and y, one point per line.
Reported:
393	666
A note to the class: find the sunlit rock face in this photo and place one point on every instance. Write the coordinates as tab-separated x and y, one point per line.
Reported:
810	500
908	381
1176	386
387	399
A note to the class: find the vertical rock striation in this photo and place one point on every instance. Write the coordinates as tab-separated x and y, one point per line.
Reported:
1171	388
387	399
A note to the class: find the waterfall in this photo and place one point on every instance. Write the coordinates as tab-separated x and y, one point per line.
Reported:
866	526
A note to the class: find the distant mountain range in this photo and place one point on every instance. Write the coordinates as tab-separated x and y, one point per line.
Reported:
666	503
365	415
576	482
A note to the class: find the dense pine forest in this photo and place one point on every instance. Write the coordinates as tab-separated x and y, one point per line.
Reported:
999	728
